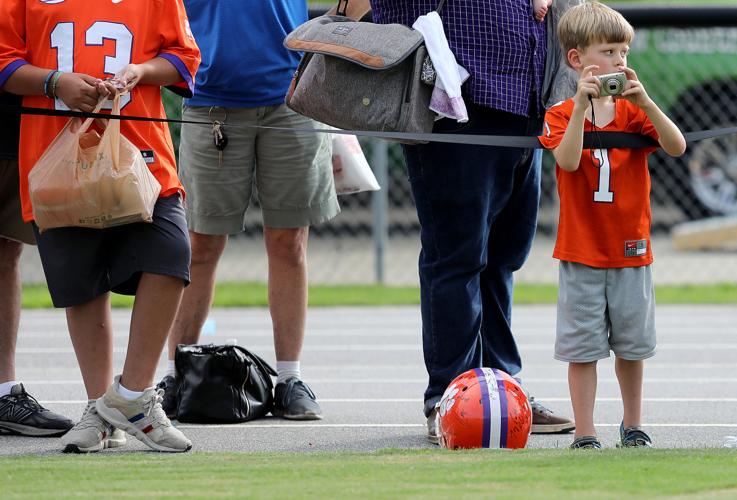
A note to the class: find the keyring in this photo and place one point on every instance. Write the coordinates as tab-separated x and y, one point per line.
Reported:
225	114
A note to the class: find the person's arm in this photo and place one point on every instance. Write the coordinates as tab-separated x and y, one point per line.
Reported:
669	136
157	71
356	9
568	153
78	91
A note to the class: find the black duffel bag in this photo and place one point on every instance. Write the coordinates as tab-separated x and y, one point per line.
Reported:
222	384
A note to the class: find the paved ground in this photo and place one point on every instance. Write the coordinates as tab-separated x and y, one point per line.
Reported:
365	364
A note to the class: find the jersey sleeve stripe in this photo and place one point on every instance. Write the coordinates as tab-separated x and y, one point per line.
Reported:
10	69
186	76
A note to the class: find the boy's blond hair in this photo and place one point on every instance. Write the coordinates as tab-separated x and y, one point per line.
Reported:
592	22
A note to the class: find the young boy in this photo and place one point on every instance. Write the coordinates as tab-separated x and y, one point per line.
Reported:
606	299
56	53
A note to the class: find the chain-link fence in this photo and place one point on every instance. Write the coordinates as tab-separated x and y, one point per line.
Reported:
690	73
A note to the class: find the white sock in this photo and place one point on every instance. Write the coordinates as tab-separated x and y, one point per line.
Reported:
286	370
171	368
6	386
128	394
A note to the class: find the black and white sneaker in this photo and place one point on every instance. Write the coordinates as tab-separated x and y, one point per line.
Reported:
294	400
20	413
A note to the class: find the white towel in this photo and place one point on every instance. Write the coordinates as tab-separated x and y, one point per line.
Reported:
446	97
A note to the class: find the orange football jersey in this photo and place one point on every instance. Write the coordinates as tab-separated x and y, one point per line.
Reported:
98	38
604	205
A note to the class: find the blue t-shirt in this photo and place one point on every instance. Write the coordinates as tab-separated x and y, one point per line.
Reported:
244	62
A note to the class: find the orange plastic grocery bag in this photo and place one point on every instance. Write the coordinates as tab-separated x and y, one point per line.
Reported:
86	180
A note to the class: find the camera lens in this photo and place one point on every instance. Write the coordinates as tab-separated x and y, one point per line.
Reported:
613	86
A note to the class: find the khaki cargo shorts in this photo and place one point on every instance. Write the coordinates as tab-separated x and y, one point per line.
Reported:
292	171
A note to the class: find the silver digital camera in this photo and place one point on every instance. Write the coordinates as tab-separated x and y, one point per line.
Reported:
612	83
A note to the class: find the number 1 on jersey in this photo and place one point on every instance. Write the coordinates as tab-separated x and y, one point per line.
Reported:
603	194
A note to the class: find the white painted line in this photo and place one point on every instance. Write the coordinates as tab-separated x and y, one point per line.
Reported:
354	426
419	400
405	380
539	398
281	426
552	365
414	347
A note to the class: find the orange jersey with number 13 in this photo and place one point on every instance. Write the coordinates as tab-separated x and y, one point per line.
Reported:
98	38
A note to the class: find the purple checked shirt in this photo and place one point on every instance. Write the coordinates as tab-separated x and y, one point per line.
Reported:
497	41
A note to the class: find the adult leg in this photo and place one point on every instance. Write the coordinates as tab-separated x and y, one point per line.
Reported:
90	328
295	185
13	233
197	297
76	273
157	300
19	412
131	403
10	252
455	189
287	254
514	220
152	261
91	331
582	384
218	193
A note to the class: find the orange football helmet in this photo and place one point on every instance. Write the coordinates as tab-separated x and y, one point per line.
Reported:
484	408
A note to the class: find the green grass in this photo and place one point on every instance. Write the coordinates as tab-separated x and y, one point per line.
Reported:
254	295
546	474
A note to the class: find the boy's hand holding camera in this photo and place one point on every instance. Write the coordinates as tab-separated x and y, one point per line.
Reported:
634	91
624	84
590	87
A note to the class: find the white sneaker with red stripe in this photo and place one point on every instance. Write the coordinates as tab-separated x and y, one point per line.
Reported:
143	418
91	433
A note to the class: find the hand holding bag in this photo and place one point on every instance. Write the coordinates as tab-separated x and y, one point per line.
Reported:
87	180
222	384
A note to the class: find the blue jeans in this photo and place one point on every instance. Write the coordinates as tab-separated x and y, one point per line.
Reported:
477	207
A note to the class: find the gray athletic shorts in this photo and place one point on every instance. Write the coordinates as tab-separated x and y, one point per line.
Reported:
604	309
292	172
12	226
82	263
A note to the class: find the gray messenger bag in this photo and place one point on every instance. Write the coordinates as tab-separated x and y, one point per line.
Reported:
360	76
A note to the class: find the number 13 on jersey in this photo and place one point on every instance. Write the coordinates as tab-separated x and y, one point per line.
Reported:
62	39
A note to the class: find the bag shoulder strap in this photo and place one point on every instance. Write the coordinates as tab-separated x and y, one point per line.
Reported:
344	4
